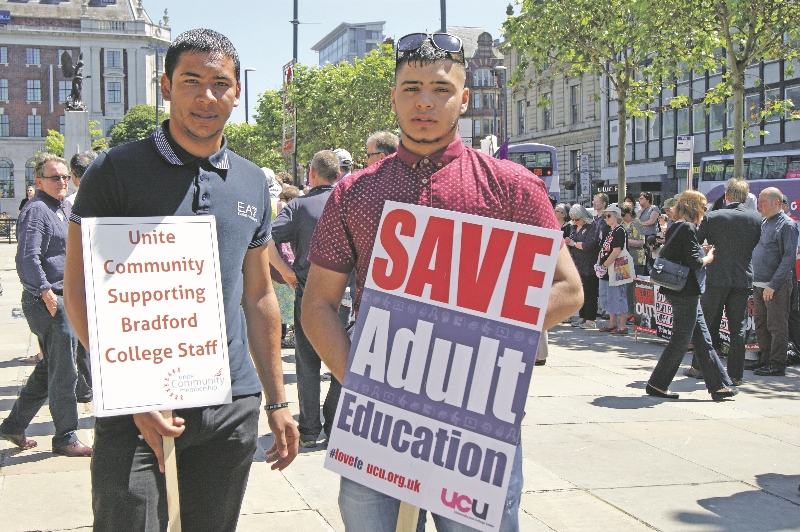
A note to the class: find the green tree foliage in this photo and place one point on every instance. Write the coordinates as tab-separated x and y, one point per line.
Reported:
249	141
139	123
633	42
338	106
741	33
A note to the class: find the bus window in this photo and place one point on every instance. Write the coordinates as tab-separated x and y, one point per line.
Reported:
774	167
729	170
793	168
714	171
753	169
539	163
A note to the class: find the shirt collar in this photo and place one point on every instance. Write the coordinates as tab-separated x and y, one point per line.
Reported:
173	153
47	198
444	156
732	205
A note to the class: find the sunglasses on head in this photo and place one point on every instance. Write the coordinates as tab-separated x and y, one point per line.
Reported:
443	41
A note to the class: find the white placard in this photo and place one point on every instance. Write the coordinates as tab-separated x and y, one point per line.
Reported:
155	314
684	153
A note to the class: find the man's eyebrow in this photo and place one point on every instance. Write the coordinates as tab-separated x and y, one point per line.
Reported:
190	74
411	82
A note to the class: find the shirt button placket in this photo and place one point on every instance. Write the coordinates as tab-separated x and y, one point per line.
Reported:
203	202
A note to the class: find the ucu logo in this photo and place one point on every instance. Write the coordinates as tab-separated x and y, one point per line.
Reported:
464	504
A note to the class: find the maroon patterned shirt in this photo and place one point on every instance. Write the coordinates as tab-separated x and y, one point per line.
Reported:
455	178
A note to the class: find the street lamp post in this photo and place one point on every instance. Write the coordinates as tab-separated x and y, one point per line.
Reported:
246	101
502	70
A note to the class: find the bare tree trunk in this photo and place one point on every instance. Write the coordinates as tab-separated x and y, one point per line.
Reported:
622	116
739	119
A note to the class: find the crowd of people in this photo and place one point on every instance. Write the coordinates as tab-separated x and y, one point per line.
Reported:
294	278
731	251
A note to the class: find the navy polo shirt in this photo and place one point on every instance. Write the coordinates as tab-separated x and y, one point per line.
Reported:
156	177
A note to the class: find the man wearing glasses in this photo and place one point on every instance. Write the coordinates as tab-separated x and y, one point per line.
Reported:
41	251
432	168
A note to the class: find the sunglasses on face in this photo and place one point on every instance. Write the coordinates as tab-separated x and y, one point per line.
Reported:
56	178
610	216
443	41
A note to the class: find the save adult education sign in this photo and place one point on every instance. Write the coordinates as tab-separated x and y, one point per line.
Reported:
441	360
155	313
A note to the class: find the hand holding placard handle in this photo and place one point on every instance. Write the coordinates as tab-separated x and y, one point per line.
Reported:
171	472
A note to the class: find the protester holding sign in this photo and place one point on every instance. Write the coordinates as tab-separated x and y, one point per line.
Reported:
185	169
431	168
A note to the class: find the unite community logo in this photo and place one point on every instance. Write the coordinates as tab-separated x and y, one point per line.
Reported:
177	384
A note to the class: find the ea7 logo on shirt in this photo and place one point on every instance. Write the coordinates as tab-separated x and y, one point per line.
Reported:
248	211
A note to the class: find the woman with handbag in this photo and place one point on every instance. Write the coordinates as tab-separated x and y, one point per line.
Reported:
612	298
583	246
681	248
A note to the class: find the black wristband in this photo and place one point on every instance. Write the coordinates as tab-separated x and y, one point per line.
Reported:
275	406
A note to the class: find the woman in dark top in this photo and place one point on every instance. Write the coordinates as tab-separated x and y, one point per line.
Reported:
688	323
583	246
29	193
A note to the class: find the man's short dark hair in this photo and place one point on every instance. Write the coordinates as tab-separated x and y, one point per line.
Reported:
426	54
199	41
81	161
326	165
386	142
648	196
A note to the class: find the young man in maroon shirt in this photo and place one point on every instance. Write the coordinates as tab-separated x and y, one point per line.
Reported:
432	168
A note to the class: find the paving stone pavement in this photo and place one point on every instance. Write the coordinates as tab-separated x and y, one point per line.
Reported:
598	453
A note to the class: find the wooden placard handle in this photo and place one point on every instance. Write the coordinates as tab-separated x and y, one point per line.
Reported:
407	518
171	472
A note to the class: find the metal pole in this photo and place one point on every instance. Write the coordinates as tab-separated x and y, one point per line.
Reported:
295	23
246	96
443	4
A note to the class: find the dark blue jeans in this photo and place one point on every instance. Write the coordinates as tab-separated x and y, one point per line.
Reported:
54	377
734	300
688	324
307	366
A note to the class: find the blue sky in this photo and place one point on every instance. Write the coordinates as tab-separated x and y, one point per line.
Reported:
262	32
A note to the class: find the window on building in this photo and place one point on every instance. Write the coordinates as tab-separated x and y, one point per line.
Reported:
64	88
6	178
699	118
62	124
34	125
60	53
668	118
613	133
575	104
4	126
729	114
476	101
4	89
717	116
476	128
574	164
655	126
114	89
491	101
771	95
32	56
113	58
792	93
546	111
3	54
486	127
639	123
34	93
110	123
482	77
30	166
684	123
486	104
752	108
520	117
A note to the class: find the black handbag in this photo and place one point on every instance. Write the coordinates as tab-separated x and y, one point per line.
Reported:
667	273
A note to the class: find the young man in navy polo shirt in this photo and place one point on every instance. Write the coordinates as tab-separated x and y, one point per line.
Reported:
185	169
433	168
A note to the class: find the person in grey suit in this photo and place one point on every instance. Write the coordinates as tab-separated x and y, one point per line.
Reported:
734	232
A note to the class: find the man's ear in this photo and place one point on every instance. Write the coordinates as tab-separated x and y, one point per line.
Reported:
464	100
394	107
166	86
